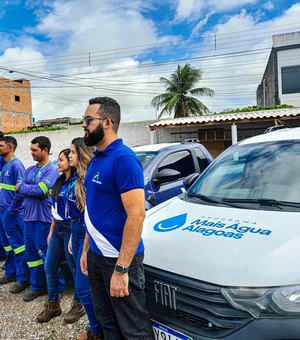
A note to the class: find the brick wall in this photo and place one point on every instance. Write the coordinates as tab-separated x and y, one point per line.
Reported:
15	105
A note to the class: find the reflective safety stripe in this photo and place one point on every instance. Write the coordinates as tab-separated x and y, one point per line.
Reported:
43	186
8	248
33	264
19	249
8	187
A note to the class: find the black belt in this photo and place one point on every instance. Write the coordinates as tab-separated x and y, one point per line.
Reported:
63	223
78	219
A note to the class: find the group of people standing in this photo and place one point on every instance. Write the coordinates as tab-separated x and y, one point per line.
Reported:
90	210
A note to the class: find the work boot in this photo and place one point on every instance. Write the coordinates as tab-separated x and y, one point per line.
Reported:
75	313
31	294
51	310
88	335
19	287
6	279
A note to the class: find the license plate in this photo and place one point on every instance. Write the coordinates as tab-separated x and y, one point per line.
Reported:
162	332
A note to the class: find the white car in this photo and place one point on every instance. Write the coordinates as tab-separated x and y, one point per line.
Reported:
222	261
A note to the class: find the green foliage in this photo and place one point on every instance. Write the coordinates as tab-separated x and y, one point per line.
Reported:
37	129
179	87
258	108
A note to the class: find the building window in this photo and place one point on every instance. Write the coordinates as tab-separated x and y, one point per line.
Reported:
290	77
17	98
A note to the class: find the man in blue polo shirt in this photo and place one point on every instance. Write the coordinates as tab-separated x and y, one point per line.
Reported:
114	217
38	180
11	217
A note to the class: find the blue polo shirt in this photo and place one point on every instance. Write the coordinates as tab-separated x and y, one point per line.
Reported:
35	188
11	173
71	208
59	205
111	173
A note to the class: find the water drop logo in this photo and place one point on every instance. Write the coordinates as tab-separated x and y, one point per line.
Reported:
170	224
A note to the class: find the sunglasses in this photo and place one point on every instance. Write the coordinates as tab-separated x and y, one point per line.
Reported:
87	120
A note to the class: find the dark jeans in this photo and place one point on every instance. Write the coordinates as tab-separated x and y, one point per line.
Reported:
57	248
82	285
121	318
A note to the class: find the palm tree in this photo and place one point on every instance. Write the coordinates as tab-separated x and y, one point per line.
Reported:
176	98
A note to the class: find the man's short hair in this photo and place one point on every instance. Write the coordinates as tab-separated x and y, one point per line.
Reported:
10	140
109	108
43	142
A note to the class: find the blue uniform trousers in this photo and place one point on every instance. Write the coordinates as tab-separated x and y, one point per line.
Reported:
2	252
35	234
11	233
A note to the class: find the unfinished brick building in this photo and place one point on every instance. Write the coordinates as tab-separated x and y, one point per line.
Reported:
15	105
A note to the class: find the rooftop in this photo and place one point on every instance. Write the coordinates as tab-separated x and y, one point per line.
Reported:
226	117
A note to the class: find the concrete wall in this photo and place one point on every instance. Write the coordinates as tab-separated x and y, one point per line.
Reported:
286	39
267	91
133	134
15	105
284	59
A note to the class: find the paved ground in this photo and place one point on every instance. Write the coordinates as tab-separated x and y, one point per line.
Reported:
17	318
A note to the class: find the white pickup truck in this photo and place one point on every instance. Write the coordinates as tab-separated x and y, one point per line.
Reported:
222	260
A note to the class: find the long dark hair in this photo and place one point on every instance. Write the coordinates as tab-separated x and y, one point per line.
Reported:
84	156
62	178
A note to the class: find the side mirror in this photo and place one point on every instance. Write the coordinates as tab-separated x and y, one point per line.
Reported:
190	180
166	175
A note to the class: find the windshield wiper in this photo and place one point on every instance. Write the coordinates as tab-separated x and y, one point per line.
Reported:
204	198
262	201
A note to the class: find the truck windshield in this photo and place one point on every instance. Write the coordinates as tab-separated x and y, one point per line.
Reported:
265	174
145	157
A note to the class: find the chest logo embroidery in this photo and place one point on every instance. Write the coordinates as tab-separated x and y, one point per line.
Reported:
96	178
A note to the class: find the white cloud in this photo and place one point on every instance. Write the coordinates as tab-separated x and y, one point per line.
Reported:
188	8
268	5
191	10
108	29
235	77
221	6
201	24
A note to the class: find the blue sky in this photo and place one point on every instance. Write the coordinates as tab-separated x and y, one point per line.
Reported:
75	50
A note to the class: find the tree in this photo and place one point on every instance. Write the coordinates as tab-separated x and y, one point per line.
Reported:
177	97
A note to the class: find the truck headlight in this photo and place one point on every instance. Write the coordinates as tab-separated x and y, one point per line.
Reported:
266	302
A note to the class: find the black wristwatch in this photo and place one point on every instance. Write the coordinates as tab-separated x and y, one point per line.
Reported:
121	269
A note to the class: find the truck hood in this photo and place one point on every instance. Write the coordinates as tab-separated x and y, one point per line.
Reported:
224	245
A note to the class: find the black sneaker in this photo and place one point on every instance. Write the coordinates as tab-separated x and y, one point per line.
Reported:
6	279
32	295
19	287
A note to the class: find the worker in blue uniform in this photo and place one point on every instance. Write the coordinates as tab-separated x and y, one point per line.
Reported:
11	217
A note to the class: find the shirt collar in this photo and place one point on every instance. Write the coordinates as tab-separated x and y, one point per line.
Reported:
110	148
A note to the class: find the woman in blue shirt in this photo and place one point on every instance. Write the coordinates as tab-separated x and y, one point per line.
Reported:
80	157
58	240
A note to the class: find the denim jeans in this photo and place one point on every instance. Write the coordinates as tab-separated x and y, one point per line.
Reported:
57	248
121	318
82	285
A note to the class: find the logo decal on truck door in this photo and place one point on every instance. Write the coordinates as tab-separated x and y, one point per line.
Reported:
171	223
209	227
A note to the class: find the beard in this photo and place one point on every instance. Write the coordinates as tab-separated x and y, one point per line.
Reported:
94	137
